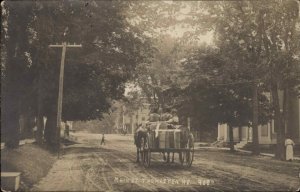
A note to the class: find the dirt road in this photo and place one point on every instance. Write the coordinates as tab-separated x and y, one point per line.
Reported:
87	166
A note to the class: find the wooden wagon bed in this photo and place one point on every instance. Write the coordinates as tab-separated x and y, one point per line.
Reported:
179	141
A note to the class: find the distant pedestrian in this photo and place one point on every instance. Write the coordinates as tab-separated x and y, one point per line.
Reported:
35	132
125	130
289	144
67	131
103	140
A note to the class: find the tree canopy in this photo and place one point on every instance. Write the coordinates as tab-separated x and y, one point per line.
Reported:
255	50
252	49
94	75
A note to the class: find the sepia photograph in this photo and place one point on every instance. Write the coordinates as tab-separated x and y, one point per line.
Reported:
149	95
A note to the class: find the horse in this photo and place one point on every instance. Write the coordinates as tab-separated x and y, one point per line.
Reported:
140	137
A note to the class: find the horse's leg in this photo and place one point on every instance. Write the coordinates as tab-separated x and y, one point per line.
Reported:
168	158
137	155
164	156
173	158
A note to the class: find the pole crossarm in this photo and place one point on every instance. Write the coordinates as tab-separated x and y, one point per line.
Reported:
68	45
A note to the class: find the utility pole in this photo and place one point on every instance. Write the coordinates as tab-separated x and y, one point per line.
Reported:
64	47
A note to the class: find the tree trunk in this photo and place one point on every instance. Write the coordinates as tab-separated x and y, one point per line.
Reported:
13	130
10	95
231	143
51	130
10	115
278	123
40	119
11	122
27	125
240	133
255	147
286	111
40	129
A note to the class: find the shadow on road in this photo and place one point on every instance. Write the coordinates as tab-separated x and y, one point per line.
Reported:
82	149
168	167
67	142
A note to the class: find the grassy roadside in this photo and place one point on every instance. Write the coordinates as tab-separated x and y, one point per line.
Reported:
31	160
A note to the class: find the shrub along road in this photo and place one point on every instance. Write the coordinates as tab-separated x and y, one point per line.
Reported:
87	166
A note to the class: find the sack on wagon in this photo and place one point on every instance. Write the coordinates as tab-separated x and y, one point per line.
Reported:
166	116
154	117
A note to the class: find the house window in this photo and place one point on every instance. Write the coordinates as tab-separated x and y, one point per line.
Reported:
264	131
136	116
143	118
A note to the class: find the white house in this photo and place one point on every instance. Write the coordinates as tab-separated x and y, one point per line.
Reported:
266	133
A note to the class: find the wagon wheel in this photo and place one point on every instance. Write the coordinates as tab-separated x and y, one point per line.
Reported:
189	155
147	152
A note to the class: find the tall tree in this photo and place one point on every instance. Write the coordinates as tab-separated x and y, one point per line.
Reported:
94	75
281	45
265	36
219	91
98	72
15	74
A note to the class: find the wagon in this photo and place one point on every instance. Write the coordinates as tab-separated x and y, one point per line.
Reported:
176	140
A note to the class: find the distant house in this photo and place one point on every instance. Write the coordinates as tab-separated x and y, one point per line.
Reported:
266	133
139	116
